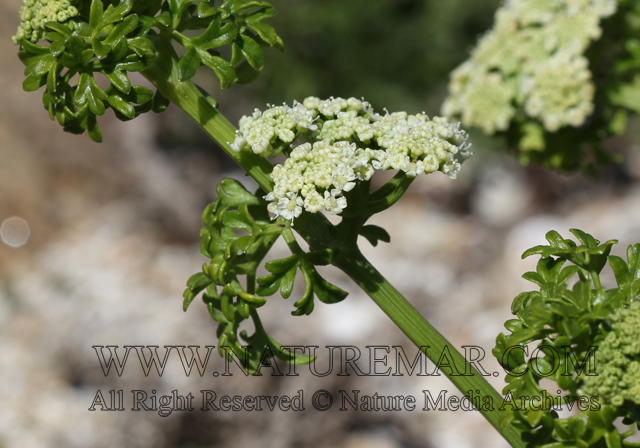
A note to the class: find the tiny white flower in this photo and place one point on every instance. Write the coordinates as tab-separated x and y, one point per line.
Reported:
238	143
334	204
289	207
343	178
313	202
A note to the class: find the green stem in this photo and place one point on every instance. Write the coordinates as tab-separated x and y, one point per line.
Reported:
251	282
317	231
596	280
188	97
423	334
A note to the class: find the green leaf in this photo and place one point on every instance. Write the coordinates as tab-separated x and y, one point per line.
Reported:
142	46
76	47
211	32
58	47
282	265
566	274
556	240
262	14
59	28
236	220
251	51
121	30
514	325
520	302
119	80
120	50
115	14
245	73
243	309
164	18
620	270
160	103
234	194
29	61
35	49
239	5
133	63
216	37
633	258
122	106
177	7
223	70
305	305
252	299
216	314
207	10
374	234
268	284
613	439
95	15
267	33
283	276
226	306
534	277
82	90
139	95
195	285
325	291
618	122
288	280
585	238
52	79
98	95
189	64
93	129
293	358
236	54
44	64
33	83
88	92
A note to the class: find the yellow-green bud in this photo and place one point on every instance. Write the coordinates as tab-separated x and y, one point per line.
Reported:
35	13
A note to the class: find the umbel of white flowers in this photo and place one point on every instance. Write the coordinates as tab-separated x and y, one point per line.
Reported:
340	142
532	60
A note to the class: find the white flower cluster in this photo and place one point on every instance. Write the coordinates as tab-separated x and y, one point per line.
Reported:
531	59
346	142
330	168
279	125
415	144
35	13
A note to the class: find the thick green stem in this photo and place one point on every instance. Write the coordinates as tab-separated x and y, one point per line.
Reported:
423	334
319	233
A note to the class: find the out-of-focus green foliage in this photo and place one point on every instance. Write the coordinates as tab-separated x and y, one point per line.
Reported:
396	53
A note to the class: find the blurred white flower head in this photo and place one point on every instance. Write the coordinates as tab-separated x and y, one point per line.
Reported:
533	60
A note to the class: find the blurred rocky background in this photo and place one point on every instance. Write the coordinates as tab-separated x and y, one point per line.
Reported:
99	240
